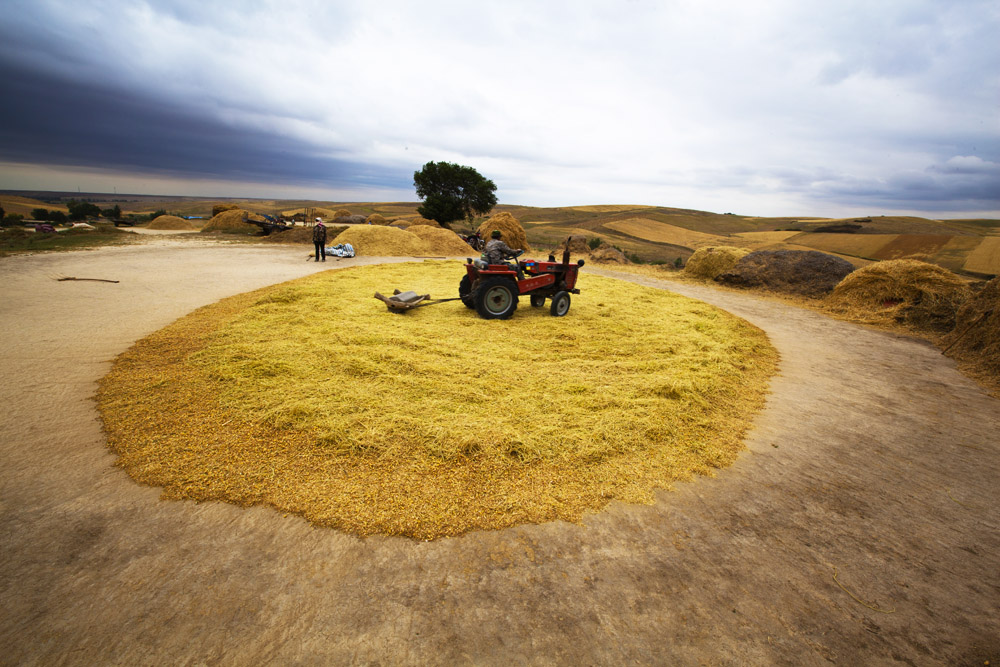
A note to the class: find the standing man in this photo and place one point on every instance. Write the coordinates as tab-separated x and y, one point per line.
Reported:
319	240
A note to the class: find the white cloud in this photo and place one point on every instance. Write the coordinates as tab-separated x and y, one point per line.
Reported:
724	105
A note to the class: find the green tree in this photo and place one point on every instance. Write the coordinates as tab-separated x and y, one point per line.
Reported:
57	217
39	214
112	213
80	210
452	192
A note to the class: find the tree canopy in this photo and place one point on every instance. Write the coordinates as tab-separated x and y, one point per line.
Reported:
79	210
453	192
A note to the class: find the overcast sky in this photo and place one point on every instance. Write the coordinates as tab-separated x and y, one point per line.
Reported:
763	107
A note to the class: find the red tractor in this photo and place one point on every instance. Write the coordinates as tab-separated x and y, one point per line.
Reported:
492	289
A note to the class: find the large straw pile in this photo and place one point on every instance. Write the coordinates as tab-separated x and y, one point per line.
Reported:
340	212
221	208
170	222
231	221
376	241
902	291
310	397
421	221
441	241
510	228
803	272
577	246
975	340
376	219
712	261
302	235
606	254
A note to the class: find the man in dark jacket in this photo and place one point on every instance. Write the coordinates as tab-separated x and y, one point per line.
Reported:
497	251
319	240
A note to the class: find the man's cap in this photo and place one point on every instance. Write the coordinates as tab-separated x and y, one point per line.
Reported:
496	234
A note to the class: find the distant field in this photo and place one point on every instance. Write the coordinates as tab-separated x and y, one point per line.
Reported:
955	252
610	208
24	206
768	237
661	232
910	245
986	257
859	245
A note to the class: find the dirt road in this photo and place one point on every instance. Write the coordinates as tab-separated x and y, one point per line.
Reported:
861	526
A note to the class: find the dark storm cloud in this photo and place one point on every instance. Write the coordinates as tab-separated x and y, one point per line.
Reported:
64	121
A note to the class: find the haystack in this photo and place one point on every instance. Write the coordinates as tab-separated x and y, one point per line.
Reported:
607	254
904	291
170	222
511	230
421	221
804	272
303	235
377	241
712	261
340	212
220	208
376	219
441	241
975	340
232	222
577	246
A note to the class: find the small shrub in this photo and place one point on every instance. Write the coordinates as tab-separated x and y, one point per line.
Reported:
593	243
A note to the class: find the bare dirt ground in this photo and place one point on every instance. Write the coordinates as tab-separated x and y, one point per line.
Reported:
874	462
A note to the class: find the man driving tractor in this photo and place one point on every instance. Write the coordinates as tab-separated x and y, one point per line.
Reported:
497	251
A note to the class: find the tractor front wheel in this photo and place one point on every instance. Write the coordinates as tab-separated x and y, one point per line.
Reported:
496	298
465	292
560	304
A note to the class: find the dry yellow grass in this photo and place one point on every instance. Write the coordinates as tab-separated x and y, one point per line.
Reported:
311	397
376	219
661	232
986	257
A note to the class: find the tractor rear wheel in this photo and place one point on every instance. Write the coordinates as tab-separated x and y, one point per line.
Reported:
496	298
465	292
560	304
537	300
